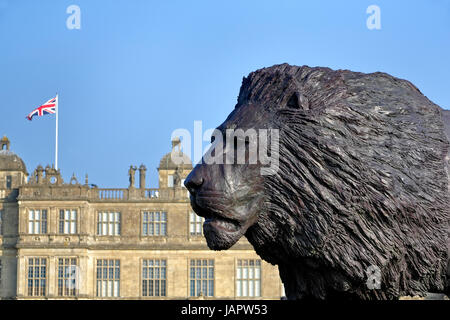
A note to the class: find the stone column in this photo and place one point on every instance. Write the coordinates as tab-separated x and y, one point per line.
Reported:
142	170
40	174
52	289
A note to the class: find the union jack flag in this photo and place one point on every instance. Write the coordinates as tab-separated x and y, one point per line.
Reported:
47	108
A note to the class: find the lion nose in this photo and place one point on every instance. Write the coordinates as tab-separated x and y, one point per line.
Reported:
193	182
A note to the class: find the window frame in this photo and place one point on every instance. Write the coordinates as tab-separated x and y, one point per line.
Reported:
64	278
153	223
141	277
77	211
195	223
96	279
33	279
8	181
108	223
207	279
170	181
40	221
247	279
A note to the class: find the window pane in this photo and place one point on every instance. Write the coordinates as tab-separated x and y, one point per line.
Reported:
251	289
116	288
163	288
257	288
192	287
205	288
211	288
211	273
150	229
144	288
238	289
144	231
250	273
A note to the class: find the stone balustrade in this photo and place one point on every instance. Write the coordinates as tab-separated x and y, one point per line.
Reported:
79	192
112	194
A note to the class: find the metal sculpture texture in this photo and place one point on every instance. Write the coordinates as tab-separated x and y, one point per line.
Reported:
358	207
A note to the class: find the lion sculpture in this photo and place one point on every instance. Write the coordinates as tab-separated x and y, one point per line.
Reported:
358	207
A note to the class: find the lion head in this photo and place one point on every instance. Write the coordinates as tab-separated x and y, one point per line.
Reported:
359	185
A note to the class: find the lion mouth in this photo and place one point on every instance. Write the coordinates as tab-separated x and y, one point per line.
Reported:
222	223
213	214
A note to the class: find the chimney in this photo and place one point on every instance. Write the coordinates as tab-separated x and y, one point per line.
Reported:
142	170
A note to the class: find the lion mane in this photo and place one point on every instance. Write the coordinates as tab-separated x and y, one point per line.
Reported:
362	184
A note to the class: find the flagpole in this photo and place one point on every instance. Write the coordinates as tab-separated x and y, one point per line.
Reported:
56	135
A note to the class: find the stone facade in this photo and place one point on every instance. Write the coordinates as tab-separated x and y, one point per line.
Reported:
74	240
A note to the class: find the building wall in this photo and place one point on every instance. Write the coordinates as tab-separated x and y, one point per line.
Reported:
8	252
131	272
177	247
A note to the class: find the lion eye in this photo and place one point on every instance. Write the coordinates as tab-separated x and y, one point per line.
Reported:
293	102
213	138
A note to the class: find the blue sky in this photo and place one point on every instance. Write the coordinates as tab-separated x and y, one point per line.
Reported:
137	70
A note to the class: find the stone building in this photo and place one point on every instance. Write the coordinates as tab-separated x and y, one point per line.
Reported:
73	240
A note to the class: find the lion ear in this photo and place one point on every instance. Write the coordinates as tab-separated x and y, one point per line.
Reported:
298	101
293	102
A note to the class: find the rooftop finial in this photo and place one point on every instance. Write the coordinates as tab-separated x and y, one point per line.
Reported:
176	144
4	143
